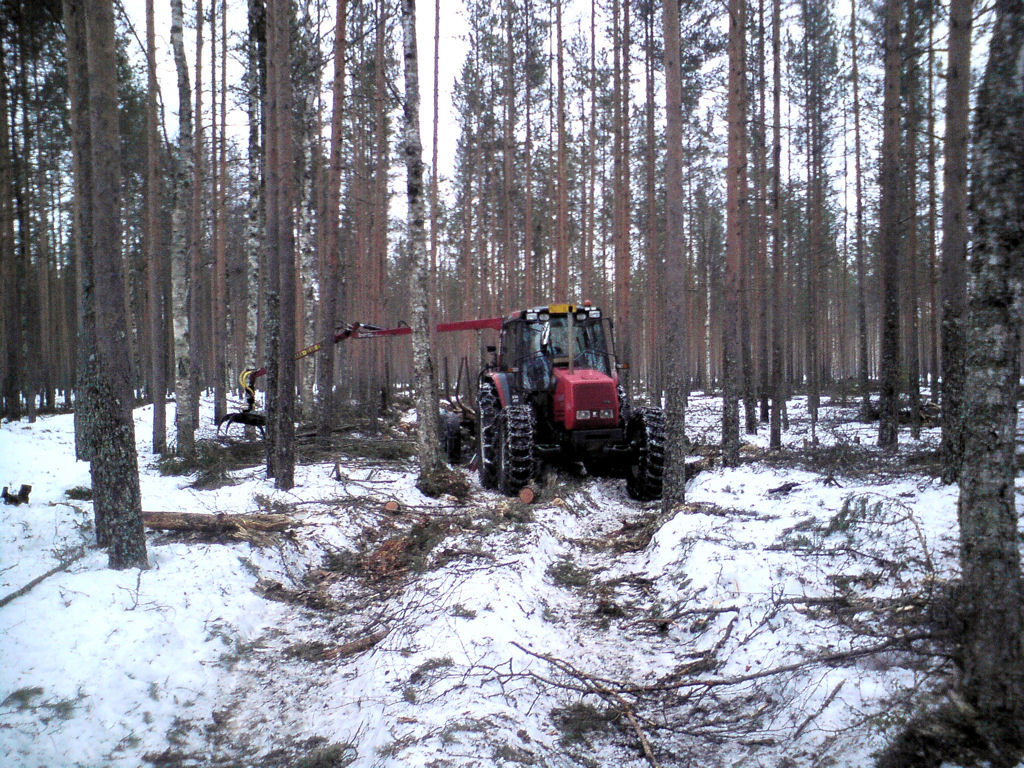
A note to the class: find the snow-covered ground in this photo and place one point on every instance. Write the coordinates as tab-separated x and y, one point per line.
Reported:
780	618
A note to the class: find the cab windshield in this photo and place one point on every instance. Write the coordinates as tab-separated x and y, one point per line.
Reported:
550	339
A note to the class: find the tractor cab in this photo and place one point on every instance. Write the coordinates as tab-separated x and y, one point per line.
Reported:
557	359
534	342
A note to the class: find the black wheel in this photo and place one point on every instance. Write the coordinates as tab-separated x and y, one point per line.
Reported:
451	435
515	448
487	434
647	436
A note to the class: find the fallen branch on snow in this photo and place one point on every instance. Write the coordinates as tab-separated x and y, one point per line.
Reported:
56	569
217	523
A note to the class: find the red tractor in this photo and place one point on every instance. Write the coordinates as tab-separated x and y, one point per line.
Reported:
552	391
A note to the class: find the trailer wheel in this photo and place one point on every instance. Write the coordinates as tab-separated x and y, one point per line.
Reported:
487	434
451	435
647	436
516	429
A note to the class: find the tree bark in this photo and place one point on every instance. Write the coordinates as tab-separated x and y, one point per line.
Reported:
330	299
283	247
889	230
735	175
114	467
954	234
674	485
181	228
431	462
777	385
157	331
993	643
78	89
862	319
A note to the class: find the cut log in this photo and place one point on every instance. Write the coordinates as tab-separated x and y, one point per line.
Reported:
219	523
527	494
392	507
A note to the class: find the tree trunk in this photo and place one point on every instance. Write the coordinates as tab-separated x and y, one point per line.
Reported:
562	221
911	95
862	318
993	642
282	248
78	88
157	332
954	234
431	461
674	486
889	230
735	175
777	385
181	228
331	228
114	467
11	396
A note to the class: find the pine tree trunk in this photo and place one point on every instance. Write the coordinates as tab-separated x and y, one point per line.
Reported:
114	467
735	175
10	394
993	642
282	246
955	235
911	94
778	386
157	332
889	230
78	88
674	486
561	287
862	318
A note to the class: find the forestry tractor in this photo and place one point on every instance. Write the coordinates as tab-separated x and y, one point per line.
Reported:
549	392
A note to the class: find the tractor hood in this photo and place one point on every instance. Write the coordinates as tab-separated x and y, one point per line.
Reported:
585	399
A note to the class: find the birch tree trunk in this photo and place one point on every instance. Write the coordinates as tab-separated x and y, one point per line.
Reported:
184	394
431	463
993	643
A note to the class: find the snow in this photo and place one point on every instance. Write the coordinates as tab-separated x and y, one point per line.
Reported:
188	663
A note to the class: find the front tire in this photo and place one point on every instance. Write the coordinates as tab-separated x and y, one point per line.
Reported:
487	434
646	431
515	463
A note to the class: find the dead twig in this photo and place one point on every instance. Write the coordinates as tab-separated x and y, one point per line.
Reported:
56	569
597	687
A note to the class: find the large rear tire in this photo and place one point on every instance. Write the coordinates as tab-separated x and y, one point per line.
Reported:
646	432
515	462
487	434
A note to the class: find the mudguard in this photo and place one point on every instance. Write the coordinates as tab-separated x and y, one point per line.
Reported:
503	385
